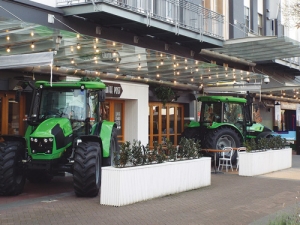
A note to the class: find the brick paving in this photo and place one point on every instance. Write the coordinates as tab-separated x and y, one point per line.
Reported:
230	199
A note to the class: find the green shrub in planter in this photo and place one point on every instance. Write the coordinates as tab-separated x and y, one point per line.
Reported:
263	144
136	153
189	148
171	151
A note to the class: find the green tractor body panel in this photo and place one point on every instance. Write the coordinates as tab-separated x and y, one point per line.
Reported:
221	99
256	127
72	84
194	124
55	129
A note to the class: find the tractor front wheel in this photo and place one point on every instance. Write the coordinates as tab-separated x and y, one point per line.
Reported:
12	177
87	169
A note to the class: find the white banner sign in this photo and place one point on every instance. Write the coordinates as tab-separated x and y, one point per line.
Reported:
277	114
298	115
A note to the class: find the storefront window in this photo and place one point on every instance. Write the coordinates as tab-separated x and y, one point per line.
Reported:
165	123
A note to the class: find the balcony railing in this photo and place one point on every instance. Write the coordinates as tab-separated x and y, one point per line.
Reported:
180	13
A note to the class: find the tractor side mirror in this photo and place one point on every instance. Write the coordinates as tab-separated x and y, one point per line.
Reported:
101	96
18	96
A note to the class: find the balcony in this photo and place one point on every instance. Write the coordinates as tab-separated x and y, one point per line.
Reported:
178	17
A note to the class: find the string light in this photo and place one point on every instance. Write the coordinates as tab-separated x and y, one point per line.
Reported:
7	38
78	35
157	75
8	49
174	57
192	79
139	67
97	40
114	43
72	49
186	67
78	46
32	45
32	33
161	61
118	69
72	61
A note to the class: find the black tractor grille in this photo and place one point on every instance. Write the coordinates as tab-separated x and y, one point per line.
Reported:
38	145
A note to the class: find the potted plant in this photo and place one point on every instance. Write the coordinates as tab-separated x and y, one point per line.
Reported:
264	156
141	173
165	94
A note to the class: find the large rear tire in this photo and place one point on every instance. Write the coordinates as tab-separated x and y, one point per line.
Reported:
87	169
12	177
223	137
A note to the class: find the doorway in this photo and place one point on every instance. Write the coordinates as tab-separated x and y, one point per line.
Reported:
11	114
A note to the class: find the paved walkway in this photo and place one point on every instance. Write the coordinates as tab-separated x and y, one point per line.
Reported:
230	199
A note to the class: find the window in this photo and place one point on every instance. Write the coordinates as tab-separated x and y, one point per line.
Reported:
165	123
260	26
247	20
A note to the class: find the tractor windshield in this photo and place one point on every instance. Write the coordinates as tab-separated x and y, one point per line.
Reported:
211	112
63	103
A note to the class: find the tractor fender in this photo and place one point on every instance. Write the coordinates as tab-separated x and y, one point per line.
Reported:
218	125
266	134
103	130
13	138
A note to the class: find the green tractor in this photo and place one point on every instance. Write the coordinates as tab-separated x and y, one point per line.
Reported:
225	122
65	134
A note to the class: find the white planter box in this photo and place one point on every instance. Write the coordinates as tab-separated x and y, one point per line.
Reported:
123	186
256	163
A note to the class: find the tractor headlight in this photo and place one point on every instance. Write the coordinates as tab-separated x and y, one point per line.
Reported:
50	139
35	140
45	140
31	139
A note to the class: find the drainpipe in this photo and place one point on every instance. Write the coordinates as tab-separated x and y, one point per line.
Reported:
226	57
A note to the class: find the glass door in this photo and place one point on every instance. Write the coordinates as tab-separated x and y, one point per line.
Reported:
165	123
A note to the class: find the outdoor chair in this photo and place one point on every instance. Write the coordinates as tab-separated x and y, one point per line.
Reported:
225	160
238	155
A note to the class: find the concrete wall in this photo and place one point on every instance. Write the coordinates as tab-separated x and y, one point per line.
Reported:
136	111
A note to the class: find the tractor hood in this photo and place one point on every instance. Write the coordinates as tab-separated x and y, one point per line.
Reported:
47	127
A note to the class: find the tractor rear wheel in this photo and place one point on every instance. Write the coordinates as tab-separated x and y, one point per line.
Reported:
223	137
87	169
12	177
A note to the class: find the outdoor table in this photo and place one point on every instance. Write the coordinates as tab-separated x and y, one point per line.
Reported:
215	151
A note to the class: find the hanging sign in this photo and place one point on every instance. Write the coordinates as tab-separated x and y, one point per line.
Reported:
113	90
